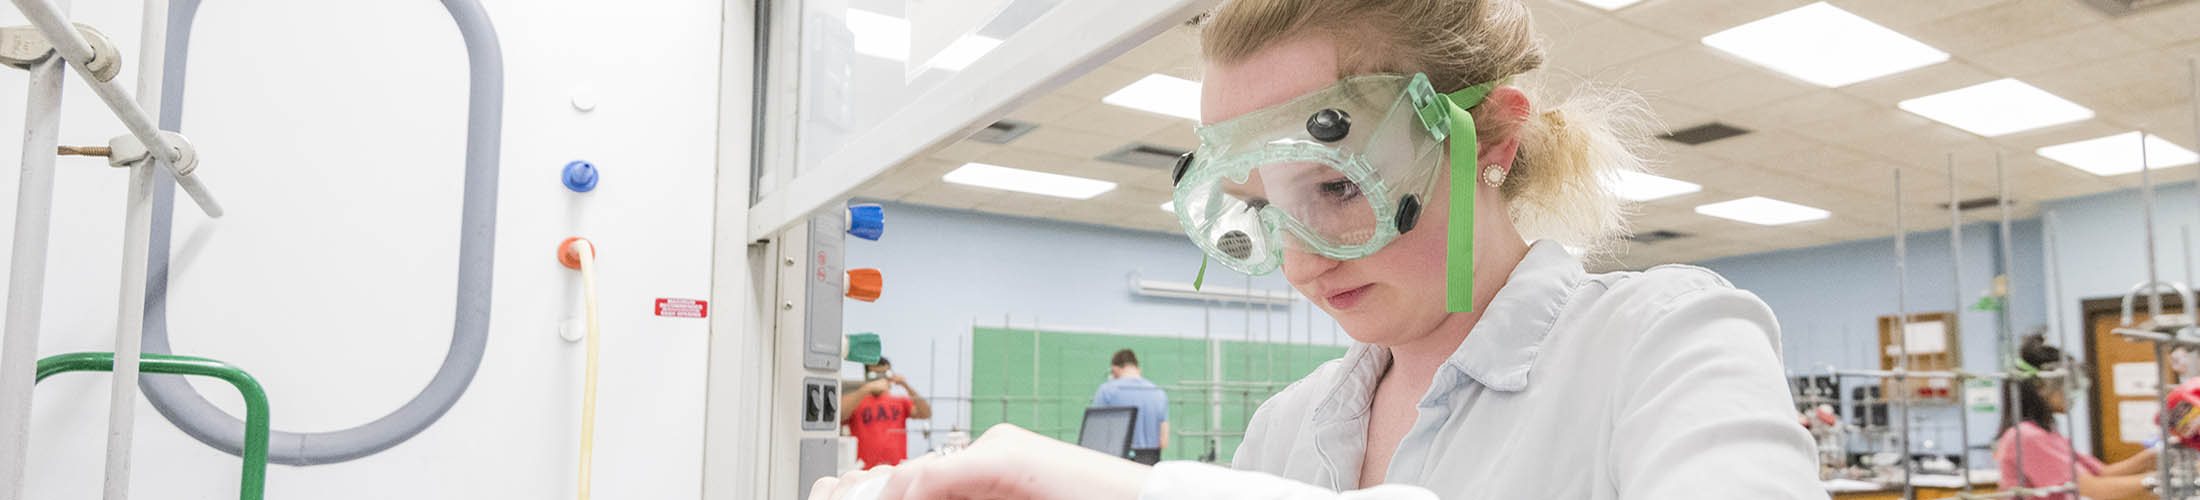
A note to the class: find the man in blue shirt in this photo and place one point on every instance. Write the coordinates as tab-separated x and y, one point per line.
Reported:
1125	388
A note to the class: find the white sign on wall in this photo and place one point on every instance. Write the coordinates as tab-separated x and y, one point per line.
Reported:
1982	396
1930	337
2136	419
2135	379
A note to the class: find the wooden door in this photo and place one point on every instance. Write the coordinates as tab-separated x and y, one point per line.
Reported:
2105	352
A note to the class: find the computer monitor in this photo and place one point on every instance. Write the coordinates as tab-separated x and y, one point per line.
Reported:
1107	429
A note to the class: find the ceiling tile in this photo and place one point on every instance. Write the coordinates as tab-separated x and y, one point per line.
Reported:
1047	109
2029	140
1179	137
2174	122
950	195
1676	116
1065	141
1853	129
1556	18
2164	25
1102	81
2092	43
1190	67
1693	19
2135	83
1929	80
1794	112
960	152
1126	175
1755	145
1747	88
1031	159
2004	24
1160	52
1673	68
1023	205
1926	147
1109	119
1603	44
1905	13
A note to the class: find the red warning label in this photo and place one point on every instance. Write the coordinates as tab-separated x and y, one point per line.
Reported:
683	308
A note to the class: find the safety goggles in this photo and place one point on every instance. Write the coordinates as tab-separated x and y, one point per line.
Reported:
1339	172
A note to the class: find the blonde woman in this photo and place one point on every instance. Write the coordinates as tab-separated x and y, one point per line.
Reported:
1375	152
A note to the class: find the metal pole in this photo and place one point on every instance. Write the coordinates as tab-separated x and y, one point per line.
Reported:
27	271
71	45
1955	317
1035	404
136	249
2154	310
1214	373
1902	336
2054	282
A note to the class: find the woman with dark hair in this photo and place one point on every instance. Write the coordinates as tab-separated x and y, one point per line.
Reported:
2046	453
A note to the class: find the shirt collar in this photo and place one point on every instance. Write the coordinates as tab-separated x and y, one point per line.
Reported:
1503	346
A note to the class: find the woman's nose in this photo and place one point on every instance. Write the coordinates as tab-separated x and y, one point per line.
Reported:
1301	266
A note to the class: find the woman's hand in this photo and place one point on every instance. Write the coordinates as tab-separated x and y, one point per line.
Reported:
1007	463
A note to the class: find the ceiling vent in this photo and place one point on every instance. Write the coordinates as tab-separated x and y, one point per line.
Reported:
1001	132
1977	203
1144	155
1655	236
1703	133
2120	8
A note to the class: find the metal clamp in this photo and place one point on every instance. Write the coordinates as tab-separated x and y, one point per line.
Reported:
23	46
125	151
2164	323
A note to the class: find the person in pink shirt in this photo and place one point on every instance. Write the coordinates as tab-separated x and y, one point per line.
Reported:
2046	454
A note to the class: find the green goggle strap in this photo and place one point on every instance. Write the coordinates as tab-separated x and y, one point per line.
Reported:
1459	242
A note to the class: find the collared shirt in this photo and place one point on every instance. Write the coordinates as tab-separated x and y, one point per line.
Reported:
1153	407
1661	384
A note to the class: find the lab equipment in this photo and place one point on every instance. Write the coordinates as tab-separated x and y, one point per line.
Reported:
861	348
579	176
254	482
1304	168
183	406
1107	429
580	254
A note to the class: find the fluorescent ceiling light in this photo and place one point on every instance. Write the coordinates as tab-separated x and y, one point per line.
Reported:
884	36
1822	44
1996	108
1016	179
1159	93
1610	4
2115	154
1762	211
1639	186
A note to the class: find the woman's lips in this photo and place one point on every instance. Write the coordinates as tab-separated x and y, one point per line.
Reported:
1346	299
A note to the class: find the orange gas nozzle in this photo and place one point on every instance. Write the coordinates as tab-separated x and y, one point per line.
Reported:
865	284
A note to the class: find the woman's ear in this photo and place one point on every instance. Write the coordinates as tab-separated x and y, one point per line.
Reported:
1512	110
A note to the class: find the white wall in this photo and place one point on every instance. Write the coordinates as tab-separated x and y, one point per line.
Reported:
333	131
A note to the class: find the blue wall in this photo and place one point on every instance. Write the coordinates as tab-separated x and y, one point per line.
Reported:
947	270
1829	299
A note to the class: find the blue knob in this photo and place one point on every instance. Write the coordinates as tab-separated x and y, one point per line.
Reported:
867	221
580	176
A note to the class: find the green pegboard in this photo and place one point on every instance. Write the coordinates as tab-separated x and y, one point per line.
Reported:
1051	400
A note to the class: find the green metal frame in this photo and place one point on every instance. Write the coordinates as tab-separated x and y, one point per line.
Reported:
255	399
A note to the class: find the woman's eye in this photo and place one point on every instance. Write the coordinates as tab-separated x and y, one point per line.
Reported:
1340	190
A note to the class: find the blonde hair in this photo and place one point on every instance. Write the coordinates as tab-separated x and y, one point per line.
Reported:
1557	187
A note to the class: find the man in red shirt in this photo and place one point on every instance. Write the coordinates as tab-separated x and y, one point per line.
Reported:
879	419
